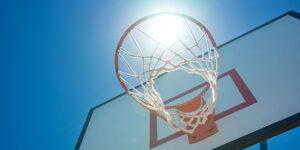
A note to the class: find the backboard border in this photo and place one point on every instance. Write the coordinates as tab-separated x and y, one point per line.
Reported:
245	141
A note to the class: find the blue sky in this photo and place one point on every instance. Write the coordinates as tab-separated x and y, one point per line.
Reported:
58	57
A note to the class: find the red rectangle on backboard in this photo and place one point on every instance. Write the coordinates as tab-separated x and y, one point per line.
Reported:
248	99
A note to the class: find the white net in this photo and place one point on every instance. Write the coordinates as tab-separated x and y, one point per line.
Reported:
165	43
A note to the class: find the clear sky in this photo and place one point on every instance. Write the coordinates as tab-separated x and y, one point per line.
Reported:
58	57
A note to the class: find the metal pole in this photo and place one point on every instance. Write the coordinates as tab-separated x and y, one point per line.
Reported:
263	145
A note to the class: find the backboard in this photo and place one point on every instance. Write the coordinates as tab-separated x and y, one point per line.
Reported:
258	85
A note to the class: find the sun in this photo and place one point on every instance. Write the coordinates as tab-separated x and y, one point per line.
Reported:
166	29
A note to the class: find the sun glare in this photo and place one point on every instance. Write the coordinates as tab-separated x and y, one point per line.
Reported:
166	29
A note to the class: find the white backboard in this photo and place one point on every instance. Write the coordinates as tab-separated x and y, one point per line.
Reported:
258	97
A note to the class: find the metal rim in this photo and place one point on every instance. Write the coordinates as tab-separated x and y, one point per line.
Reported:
120	43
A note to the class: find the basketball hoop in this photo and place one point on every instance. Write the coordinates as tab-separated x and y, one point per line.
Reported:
167	42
